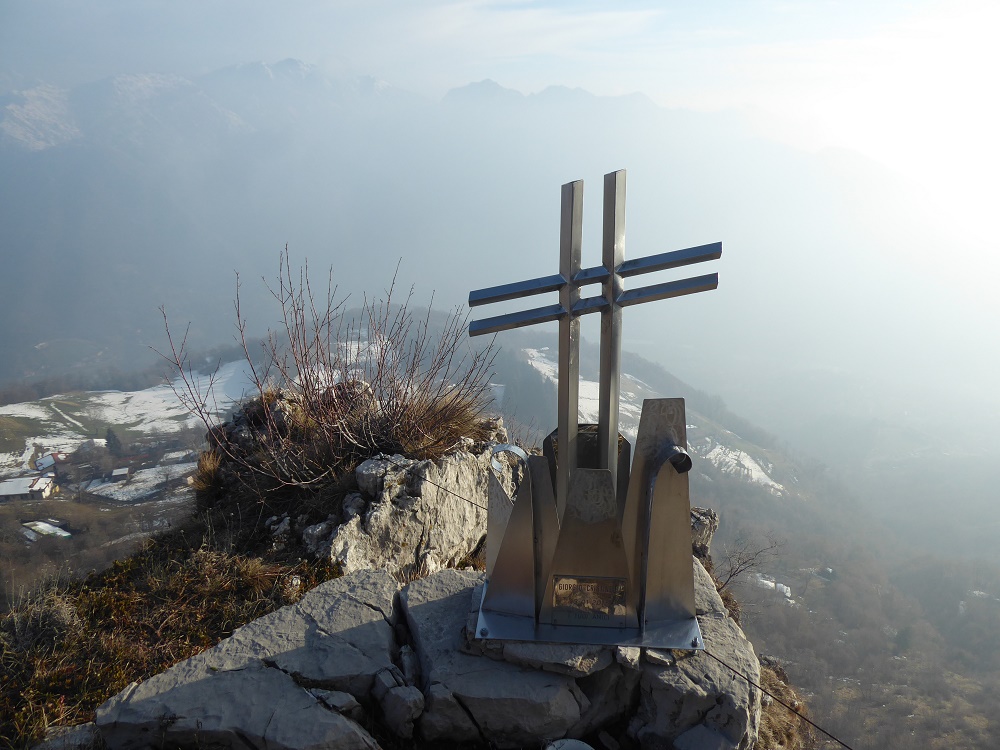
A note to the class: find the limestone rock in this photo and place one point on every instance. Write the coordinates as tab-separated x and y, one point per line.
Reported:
80	737
358	649
248	690
400	708
702	738
313	537
193	705
508	705
698	690
342	703
568	745
417	517
704	524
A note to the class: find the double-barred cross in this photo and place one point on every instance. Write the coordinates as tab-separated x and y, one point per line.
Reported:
568	282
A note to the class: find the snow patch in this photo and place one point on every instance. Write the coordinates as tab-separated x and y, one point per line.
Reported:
143	483
737	462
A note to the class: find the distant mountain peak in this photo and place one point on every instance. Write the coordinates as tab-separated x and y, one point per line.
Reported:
38	118
486	90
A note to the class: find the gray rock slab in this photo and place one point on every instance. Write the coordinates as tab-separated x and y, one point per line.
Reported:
342	703
248	691
400	708
573	660
338	636
193	705
702	738
612	693
509	705
697	689
419	516
568	745
79	737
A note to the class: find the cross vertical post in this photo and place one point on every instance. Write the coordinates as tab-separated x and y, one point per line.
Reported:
613	254
579	558
570	242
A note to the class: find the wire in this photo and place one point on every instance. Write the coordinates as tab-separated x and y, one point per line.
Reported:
777	699
440	487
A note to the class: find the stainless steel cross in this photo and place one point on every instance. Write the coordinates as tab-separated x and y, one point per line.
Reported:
568	282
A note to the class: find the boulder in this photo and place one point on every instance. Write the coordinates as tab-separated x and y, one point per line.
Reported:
475	699
704	524
679	693
413	517
80	737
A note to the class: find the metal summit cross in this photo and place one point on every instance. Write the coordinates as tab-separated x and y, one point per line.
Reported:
595	548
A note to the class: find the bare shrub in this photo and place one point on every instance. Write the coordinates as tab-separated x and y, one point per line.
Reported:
334	388
745	554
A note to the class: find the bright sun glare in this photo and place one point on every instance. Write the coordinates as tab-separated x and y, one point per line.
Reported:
918	97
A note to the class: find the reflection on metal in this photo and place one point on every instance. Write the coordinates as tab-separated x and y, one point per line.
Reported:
592	550
500	504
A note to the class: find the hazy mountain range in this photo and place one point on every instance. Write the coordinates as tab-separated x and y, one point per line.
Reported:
834	326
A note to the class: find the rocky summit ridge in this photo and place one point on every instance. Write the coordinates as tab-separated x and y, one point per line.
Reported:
365	662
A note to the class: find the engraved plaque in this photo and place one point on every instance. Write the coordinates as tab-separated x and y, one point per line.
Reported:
591	601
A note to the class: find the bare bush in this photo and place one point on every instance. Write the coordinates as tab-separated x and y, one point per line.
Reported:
333	388
745	554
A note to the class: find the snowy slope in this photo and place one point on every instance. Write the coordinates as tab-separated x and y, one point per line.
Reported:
716	446
63	422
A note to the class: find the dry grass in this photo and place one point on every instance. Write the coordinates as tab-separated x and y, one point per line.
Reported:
207	475
780	729
72	645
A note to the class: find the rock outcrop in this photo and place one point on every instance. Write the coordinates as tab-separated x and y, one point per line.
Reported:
412	517
356	652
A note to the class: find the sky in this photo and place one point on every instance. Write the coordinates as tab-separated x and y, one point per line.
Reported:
909	84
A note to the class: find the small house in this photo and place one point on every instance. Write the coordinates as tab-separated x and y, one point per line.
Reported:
50	459
27	488
119	475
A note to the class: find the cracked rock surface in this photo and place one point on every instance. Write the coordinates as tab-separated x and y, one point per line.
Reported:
412	516
356	652
473	697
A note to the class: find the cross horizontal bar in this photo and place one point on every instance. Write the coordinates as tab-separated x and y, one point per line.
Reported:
517	290
669	289
589	305
516	320
674	259
543	284
591	275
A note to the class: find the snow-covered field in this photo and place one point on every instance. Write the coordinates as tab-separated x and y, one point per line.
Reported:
62	423
158	410
140	485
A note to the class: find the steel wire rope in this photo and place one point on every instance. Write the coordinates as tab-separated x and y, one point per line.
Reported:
809	721
440	487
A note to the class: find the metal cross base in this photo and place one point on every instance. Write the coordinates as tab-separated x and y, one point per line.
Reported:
592	551
615	568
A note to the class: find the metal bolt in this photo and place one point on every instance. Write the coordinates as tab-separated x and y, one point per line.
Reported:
694	643
483	632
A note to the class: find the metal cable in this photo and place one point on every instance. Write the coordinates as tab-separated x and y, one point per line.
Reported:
440	487
777	699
